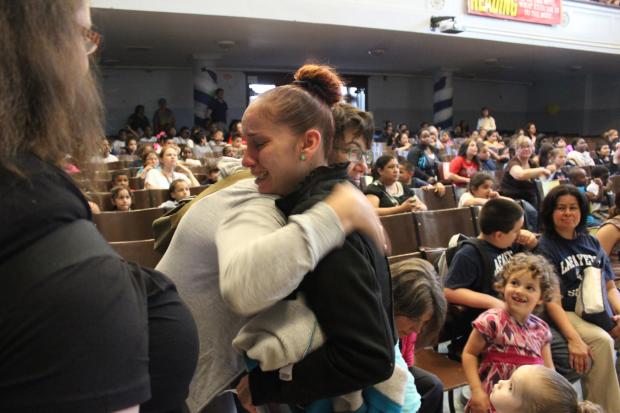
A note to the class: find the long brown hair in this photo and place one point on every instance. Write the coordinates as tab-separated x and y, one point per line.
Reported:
48	106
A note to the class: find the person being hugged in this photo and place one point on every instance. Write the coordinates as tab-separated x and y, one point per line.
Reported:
512	336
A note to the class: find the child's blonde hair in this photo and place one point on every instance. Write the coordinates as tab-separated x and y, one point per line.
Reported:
552	393
537	266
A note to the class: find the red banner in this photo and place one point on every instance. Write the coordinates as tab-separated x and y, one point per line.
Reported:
530	11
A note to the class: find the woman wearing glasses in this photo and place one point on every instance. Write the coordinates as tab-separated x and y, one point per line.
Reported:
81	329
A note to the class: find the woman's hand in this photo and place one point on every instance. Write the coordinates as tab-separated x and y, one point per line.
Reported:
479	402
356	213
579	355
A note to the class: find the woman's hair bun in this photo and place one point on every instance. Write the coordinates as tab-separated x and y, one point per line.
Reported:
321	81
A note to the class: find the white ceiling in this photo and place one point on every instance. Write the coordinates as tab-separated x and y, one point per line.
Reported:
169	40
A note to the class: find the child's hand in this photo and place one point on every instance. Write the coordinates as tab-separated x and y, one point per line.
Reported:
479	402
527	238
598	182
493	194
440	189
551	168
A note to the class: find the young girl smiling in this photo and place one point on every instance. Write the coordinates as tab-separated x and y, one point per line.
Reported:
511	337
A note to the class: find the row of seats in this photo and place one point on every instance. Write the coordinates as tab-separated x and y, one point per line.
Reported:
142	198
412	232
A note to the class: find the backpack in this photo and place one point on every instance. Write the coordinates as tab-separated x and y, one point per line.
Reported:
456	242
458	318
165	226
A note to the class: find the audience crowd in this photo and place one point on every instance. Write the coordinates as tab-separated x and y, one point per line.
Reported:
275	289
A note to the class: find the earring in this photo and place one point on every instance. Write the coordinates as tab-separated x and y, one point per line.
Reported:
303	156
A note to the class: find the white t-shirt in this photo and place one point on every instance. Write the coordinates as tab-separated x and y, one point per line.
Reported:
464	198
594	189
157	180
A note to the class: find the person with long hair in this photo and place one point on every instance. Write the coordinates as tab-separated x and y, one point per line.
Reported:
82	329
464	165
386	193
568	246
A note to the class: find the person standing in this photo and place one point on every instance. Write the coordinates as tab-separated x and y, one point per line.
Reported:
163	119
218	109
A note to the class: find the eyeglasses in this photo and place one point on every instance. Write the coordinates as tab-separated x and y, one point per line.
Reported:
92	40
357	155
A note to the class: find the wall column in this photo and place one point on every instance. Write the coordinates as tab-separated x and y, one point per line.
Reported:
442	99
205	83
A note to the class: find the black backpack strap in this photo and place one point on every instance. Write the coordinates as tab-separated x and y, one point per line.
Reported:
68	245
488	275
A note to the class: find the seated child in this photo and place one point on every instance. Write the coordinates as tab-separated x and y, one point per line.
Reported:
213	175
120	178
187	157
178	190
479	190
485	156
596	191
509	337
419	313
121	198
470	278
557	157
410	179
131	146
577	177
538	389
217	143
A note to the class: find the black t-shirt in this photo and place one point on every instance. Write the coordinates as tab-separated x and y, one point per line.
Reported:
570	258
218	110
519	189
466	268
377	189
97	336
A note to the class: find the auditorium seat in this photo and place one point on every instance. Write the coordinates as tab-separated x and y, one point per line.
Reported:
404	257
202	169
113	165
434	202
401	231
449	372
140	252
103	199
443	168
195	190
101	185
141	199
136	182
435	228
200	177
127	226
158	197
